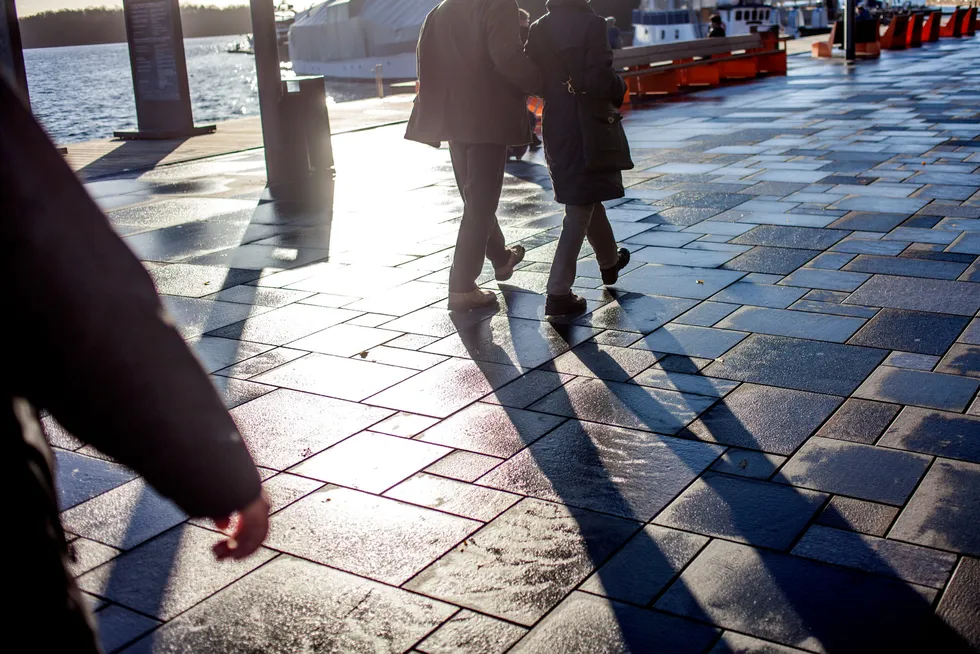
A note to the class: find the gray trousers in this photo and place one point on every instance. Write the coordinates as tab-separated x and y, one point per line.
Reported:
581	221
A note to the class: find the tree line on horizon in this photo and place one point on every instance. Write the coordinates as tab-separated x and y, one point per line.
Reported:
51	29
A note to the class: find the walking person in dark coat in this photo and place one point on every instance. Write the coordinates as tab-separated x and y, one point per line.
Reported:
473	83
93	346
579	36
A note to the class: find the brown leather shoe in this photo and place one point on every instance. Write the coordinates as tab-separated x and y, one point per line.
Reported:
564	305
506	271
475	299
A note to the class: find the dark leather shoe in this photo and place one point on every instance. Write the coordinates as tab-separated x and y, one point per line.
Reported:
506	271
564	305
611	275
476	299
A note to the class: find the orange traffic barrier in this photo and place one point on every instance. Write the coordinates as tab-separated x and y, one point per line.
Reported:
866	43
535	106
930	29
701	74
953	28
914	39
969	25
896	36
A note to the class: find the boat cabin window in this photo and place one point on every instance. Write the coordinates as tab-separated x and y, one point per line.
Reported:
738	15
663	35
767	14
677	34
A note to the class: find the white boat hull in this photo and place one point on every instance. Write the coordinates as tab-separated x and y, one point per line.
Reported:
399	67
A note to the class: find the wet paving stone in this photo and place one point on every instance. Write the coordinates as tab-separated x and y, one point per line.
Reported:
691	341
218	353
911	563
804	238
744	510
801	324
625	473
235	392
285	427
912	361
645	565
682	364
939	296
858	515
624	405
493	430
405	425
632	312
586	623
705	314
282	490
471	633
194	316
345	340
352	614
759	295
197	281
524	562
169	574
833	309
865	246
677	281
280	326
372	536
345	379
402	299
446	388
801	603
123	517
748	463
961	359
918	388
677	381
257	295
960	604
370	462
945	434
463	466
663	239
870	221
529	388
944	510
910	331
774	420
859	421
117	626
861	471
906	267
451	496
831	260
763	259
79	478
834	280
603	362
261	363
799	364
85	555
733	643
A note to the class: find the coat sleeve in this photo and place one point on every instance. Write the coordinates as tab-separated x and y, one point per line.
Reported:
601	80
506	48
93	344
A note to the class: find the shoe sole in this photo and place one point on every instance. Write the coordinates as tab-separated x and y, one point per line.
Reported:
510	273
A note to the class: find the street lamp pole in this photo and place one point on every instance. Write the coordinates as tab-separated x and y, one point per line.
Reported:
266	46
850	23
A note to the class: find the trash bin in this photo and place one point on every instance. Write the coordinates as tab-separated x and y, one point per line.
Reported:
305	130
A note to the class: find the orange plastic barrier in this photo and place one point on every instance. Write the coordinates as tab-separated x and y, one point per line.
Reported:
914	39
953	28
969	25
930	29
896	34
535	105
867	49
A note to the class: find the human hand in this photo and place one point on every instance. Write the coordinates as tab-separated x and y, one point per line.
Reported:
251	526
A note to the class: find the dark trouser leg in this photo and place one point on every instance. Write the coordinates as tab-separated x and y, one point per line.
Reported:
601	238
479	170
580	221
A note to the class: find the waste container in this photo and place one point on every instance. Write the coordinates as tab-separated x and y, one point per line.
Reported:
307	153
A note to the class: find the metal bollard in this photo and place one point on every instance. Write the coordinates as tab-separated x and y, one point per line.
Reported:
304	132
379	80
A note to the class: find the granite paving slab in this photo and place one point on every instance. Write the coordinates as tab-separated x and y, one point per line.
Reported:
961	604
677	281
801	324
705	314
910	331
493	430
858	515
906	267
691	341
919	388
591	359
748	463
80	478
531	387
345	379
760	295
859	421
944	510
633	312
961	359
469	632
834	280
764	259
942	433
452	496
804	238
463	466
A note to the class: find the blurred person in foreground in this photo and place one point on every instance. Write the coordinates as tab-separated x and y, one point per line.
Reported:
91	344
473	83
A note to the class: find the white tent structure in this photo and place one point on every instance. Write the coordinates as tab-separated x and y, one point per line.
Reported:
347	39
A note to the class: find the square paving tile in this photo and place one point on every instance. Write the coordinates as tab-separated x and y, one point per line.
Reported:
766	418
759	295
858	515
402	299
217	353
945	434
603	362
859	421
194	316
806	238
763	259
370	462
624	405
906	267
748	463
169	574
632	312
79	478
353	614
524	562
911	563
834	280
884	205
691	341
960	603
961	359
940	296
911	331
682	257
446	388
586	623
865	246
490	429
911	360
861	471
452	496
625	473
801	364
801	324
831	260
463	465
345	379
797	602
743	510
945	510
918	388
677	281
705	314
280	326
345	340
645	565
870	221
371	536
285	427
471	633
529	388
678	381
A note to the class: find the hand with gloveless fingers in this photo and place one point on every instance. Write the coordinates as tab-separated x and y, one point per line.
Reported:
246	530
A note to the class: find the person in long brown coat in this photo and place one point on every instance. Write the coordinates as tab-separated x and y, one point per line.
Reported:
88	341
473	83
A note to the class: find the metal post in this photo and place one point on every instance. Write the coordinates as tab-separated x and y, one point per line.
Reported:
265	43
850	25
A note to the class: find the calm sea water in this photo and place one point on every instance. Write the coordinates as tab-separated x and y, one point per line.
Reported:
85	92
